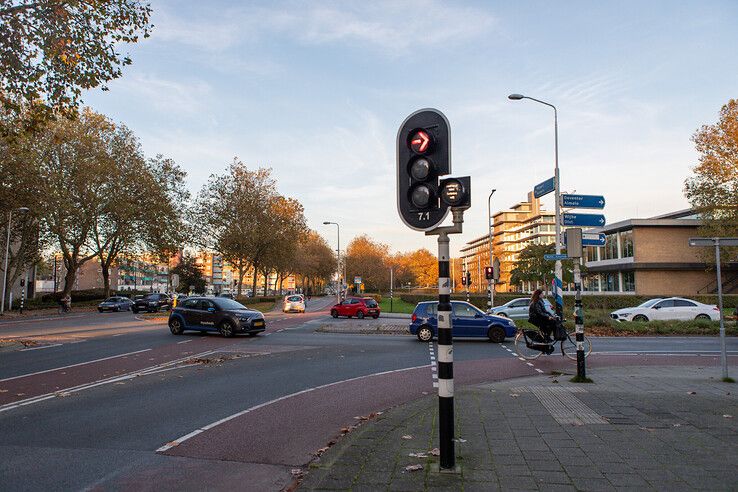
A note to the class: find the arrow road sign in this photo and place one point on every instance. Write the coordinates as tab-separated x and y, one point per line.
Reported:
586	220
590	239
544	188
582	201
710	241
554	257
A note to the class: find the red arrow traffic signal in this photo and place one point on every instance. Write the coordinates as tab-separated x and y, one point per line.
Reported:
420	142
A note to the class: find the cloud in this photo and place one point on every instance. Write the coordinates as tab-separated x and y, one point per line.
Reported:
164	95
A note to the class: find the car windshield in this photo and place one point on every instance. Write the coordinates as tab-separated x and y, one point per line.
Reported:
294	298
370	303
225	303
649	303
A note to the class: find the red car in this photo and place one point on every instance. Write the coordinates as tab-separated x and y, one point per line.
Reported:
356	306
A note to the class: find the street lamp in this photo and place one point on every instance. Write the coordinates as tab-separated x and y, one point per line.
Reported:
491	283
7	253
338	257
558	290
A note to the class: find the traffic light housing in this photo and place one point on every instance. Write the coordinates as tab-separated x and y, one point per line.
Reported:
463	280
423	156
468	279
489	273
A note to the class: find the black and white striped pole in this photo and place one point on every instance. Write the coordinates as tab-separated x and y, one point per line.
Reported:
574	251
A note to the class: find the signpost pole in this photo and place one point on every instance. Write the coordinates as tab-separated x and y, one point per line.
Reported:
723	353
579	322
445	358
391	284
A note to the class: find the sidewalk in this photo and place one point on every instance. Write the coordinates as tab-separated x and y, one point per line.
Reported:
652	428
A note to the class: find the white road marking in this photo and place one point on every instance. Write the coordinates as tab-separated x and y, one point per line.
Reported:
40	348
539	370
77	341
182	439
522	358
75	389
184	341
118	335
33	320
75	365
531	365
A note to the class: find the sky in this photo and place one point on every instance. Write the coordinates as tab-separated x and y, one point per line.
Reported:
317	90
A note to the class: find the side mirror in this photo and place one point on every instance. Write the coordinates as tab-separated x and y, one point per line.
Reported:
479	315
657	307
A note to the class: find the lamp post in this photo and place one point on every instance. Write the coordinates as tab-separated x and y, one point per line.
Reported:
7	253
338	257
491	282
558	285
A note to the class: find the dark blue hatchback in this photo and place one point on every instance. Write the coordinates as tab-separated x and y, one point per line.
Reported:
468	321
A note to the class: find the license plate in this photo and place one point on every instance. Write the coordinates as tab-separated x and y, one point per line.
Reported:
258	323
372	311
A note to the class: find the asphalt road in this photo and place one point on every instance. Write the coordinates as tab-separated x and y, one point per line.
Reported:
115	402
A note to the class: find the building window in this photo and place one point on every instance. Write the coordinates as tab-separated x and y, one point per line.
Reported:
629	282
592	253
611	282
626	244
611	247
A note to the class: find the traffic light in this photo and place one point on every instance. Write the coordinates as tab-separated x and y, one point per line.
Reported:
423	155
489	273
463	280
468	279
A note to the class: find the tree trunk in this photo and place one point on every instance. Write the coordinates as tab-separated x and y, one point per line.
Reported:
106	279
253	283
69	278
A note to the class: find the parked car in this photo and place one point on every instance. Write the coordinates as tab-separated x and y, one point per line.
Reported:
227	295
152	303
467	321
115	303
356	306
215	314
517	308
294	303
672	308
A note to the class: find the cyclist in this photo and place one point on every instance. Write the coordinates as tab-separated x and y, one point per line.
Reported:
65	304
539	315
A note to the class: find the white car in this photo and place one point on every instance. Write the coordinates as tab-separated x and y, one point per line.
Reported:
294	303
672	308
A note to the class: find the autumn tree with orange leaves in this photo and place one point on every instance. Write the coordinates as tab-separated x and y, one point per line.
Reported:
713	189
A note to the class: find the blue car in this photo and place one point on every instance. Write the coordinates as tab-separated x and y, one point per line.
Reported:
468	321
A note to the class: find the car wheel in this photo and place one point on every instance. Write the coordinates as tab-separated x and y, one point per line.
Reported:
375	316
425	334
226	329
360	315
703	317
640	318
496	334
175	326
100	309
117	309
334	313
135	310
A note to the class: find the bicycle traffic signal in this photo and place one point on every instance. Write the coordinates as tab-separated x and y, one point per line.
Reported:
423	155
489	273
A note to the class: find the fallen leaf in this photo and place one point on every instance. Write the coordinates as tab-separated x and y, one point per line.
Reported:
412	468
63	394
460	440
727	416
435	452
425	392
407	437
514	395
691	392
418	455
3	391
20	394
676	425
296	472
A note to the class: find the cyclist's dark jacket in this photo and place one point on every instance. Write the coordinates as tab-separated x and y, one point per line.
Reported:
537	313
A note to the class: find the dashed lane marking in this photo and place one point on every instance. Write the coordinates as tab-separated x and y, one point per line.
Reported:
539	370
184	341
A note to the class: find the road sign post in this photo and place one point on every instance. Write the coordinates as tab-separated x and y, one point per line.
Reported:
717	242
574	250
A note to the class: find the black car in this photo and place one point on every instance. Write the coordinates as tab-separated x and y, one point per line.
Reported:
215	314
152	303
115	303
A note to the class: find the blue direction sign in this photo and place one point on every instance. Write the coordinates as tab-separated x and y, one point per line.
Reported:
590	239
582	201
544	188
586	220
554	257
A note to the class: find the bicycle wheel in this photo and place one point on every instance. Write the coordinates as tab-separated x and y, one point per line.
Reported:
569	346
523	350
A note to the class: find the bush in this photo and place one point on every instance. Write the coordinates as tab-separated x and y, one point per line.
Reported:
376	297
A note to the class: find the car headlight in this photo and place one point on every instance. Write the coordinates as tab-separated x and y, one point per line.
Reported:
244	318
623	315
152	303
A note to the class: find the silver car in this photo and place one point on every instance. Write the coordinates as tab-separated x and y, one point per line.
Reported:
517	308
